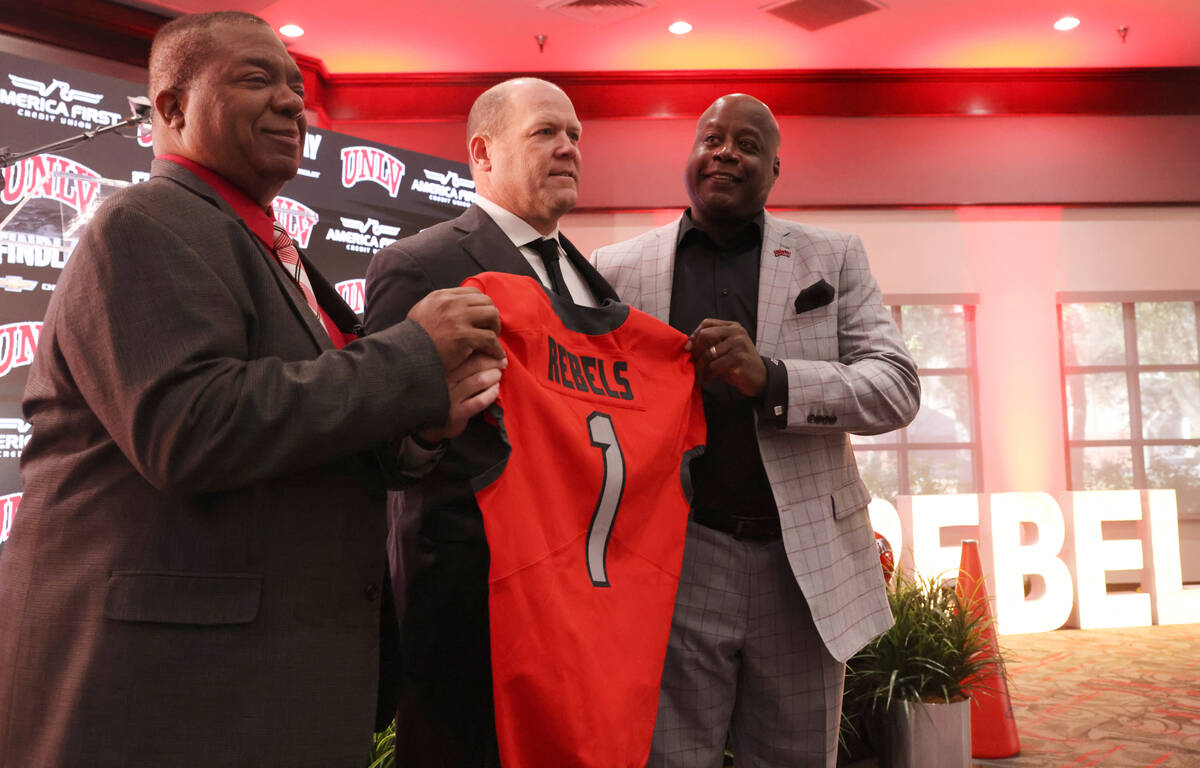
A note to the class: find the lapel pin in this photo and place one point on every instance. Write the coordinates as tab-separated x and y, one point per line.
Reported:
782	252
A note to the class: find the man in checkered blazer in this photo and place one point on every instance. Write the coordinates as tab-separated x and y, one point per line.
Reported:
781	580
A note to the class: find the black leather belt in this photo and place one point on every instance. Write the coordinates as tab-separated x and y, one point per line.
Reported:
741	528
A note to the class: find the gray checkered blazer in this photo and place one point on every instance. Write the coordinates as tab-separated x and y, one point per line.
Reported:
848	371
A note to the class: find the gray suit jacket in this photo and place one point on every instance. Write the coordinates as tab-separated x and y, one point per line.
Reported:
194	577
848	371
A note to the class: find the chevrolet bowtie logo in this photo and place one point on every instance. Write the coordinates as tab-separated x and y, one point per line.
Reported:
16	284
449	179
65	91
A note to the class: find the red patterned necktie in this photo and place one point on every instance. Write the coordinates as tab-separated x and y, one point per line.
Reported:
285	251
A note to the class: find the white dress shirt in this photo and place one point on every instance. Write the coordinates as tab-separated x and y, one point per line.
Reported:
518	230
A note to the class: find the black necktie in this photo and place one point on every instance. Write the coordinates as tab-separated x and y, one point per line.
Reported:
547	248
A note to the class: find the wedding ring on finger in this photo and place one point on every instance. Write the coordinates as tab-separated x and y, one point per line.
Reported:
712	351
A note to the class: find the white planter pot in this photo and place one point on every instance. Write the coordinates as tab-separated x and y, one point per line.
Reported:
921	735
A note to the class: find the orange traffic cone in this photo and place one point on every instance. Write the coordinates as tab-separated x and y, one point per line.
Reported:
993	729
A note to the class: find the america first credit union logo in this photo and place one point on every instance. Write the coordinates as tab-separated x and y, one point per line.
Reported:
296	218
371	164
52	177
18	345
55	101
14	436
354	293
8	512
446	187
363	236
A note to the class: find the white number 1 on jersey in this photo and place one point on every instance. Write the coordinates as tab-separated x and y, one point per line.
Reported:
604	437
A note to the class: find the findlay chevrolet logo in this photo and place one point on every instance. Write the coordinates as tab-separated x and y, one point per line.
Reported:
18	345
363	236
52	177
65	91
8	512
296	218
14	436
353	292
56	101
446	187
17	284
371	164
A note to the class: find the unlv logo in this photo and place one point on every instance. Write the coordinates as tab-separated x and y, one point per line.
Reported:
53	177
8	513
353	292
295	217
18	345
371	164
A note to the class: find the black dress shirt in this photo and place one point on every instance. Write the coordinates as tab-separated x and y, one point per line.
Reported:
721	281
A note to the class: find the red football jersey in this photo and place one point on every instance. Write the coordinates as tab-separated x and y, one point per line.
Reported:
585	521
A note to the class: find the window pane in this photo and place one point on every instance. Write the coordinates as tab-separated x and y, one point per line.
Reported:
1178	467
1101	469
878	471
945	415
1097	406
935	335
1166	332
1093	334
1170	405
940	472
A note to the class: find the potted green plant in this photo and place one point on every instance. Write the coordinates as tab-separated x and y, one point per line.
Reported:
907	694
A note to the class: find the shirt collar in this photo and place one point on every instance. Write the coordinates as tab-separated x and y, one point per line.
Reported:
753	228
257	218
513	226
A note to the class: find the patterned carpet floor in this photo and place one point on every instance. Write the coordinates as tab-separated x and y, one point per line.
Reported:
1109	698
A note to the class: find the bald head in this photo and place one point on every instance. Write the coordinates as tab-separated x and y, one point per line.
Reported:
733	164
523	141
751	109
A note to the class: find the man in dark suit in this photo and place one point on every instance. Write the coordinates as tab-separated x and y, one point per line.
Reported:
523	140
195	577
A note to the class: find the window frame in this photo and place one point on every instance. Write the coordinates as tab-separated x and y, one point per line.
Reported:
903	446
1137	442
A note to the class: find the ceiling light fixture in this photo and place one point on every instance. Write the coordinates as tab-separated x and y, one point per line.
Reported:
1066	23
291	30
680	28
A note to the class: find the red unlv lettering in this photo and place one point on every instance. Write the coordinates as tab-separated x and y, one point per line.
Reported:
53	177
371	164
353	292
18	345
296	218
8	513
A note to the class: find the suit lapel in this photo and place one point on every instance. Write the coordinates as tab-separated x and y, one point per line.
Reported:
487	244
595	282
304	314
658	272
775	282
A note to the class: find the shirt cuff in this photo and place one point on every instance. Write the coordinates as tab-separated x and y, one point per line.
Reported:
773	411
416	458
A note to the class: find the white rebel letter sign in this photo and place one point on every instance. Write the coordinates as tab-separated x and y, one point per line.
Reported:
1088	554
1049	602
1159	531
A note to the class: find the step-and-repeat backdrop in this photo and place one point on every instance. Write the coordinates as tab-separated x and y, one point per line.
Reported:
351	198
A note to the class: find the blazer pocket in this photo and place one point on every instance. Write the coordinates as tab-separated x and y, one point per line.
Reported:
850	498
167	597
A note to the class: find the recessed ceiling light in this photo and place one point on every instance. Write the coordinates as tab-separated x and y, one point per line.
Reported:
680	28
1066	23
291	30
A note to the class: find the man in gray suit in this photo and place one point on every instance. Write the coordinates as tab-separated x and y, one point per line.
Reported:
781	582
196	576
523	142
